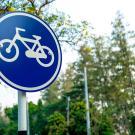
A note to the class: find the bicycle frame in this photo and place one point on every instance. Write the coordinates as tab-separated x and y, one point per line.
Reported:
24	40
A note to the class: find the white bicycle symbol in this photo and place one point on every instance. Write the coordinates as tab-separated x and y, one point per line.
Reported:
37	51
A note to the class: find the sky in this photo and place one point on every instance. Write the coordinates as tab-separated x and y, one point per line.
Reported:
100	14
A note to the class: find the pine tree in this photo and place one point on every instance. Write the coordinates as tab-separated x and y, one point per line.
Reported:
121	73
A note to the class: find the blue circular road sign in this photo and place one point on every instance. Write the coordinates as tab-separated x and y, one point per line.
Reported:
30	54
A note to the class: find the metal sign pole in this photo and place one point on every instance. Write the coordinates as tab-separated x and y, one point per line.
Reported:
87	102
22	114
68	113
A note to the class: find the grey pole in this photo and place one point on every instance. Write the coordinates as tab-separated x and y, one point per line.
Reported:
68	100
87	102
22	114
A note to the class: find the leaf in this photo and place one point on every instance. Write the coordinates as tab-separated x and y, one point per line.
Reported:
11	9
30	9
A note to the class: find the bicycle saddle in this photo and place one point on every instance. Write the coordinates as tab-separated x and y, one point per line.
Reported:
36	37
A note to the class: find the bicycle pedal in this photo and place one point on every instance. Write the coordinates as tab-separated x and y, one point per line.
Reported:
32	54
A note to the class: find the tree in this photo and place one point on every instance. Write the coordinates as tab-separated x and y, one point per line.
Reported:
11	114
77	118
132	126
56	124
122	73
31	6
3	124
50	95
106	126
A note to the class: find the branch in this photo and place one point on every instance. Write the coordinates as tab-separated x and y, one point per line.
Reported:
3	10
67	41
32	2
44	4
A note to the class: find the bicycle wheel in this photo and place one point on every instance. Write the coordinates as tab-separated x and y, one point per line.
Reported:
10	55
49	59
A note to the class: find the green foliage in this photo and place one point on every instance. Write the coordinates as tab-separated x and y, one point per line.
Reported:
56	124
37	117
52	93
106	126
3	125
132	126
12	114
77	118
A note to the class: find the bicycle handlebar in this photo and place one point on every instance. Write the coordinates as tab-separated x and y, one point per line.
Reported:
20	29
